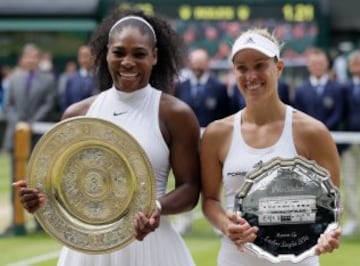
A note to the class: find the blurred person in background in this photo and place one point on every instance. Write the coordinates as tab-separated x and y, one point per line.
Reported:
1	94
69	70
222	52
31	98
31	93
203	92
5	72
319	96
46	62
208	36
81	85
351	155
340	62
189	38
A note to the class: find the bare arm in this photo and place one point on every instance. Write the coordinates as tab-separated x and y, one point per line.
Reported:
214	148
181	131
314	141
211	172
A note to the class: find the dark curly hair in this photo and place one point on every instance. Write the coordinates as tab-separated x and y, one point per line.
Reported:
171	52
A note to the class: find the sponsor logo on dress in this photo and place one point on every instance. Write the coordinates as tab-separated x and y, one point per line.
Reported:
119	113
243	173
239	173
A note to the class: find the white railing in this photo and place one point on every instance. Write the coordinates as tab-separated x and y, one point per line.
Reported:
346	137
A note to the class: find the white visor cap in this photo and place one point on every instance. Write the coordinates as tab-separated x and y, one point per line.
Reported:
257	42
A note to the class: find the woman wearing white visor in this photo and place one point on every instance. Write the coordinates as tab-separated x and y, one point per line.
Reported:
264	129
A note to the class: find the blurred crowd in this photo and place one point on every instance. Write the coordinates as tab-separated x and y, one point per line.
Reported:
217	37
32	91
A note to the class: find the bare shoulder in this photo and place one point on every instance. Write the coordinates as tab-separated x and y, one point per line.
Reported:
309	133
307	125
314	141
79	108
173	110
219	129
177	118
217	137
172	107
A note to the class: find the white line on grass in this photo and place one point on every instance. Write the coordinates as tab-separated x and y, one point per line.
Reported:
34	260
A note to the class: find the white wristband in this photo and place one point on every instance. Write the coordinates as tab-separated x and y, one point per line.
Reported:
158	205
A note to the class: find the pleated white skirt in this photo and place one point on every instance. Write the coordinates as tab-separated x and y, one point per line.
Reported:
164	247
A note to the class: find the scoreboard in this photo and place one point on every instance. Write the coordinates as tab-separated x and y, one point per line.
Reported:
290	11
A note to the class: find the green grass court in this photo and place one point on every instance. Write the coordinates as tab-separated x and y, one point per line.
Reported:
40	250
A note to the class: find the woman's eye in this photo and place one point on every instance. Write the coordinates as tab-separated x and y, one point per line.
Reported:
241	69
140	55
259	66
118	53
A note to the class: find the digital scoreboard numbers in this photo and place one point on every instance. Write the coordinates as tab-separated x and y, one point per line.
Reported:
289	12
298	12
287	210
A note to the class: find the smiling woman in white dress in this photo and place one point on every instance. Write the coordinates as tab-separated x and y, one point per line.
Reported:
136	58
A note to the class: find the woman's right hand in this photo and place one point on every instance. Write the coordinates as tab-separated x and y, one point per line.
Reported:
31	198
239	231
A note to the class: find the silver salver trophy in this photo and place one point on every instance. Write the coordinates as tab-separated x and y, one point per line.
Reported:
292	201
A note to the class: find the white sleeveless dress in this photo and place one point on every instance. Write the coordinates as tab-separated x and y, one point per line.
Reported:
138	113
242	158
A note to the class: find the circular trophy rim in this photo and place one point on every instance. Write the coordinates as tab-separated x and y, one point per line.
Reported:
71	144
301	167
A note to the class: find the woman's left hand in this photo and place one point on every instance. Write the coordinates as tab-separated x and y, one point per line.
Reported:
145	225
328	241
239	231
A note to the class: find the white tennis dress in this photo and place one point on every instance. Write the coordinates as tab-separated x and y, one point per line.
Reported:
242	158
138	113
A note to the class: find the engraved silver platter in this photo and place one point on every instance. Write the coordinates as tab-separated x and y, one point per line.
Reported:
96	177
292	201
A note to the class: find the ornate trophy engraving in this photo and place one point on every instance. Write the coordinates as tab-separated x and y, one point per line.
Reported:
292	201
96	177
